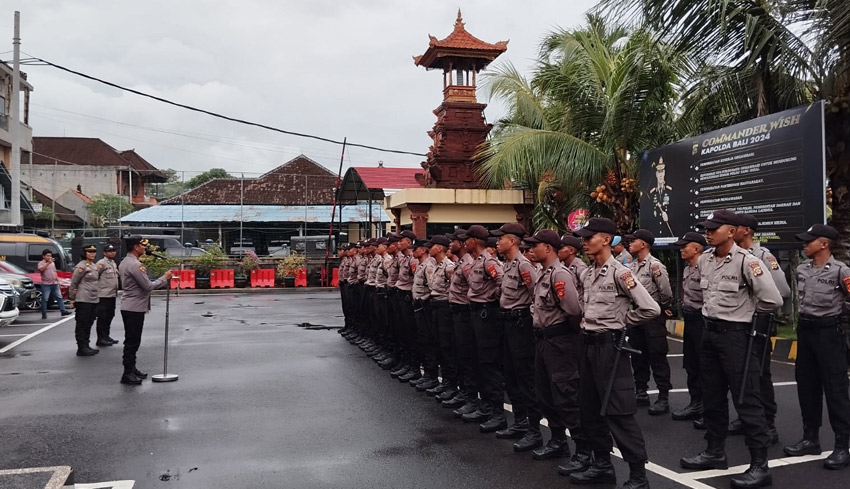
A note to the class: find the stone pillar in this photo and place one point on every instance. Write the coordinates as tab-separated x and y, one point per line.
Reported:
396	219
419	218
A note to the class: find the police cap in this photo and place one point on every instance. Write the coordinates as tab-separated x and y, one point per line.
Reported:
514	228
492	242
818	231
545	236
719	218
567	240
748	220
408	234
423	243
691	237
477	231
643	235
91	248
597	225
109	247
441	240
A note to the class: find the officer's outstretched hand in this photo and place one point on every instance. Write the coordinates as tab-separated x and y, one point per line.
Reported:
167	275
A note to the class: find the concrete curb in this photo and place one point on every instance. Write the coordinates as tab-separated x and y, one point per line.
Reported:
783	348
248	290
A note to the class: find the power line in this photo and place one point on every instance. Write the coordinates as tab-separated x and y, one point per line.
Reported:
214	114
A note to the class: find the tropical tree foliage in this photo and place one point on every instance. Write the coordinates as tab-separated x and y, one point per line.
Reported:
600	96
108	208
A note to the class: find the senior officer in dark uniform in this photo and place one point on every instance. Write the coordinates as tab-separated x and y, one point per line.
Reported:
610	290
821	366
651	336
744	237
518	362
83	293
485	278
439	273
735	286
135	303
107	293
467	399
556	325
692	245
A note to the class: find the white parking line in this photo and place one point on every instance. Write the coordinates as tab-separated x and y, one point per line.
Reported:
33	335
10	335
107	485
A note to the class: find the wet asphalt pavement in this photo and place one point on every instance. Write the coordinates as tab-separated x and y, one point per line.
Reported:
263	402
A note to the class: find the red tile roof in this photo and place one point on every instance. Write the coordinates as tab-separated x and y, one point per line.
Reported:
62	213
89	151
379	178
463	42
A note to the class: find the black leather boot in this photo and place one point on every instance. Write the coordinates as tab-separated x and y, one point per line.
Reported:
470	407
447	394
556	448
662	404
689	412
714	457
757	475
496	422
809	445
514	431
642	397
840	456
477	416
580	462
531	440
637	476
600	471
84	350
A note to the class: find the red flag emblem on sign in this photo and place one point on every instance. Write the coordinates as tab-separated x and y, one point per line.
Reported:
754	265
629	280
491	269
526	277
560	289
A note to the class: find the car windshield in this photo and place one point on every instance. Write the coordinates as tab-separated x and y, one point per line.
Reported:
12	267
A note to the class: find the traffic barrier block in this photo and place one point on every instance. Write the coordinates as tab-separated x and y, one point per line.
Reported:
222	279
335	278
262	277
301	278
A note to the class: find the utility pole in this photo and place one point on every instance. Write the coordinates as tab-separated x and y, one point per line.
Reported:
14	129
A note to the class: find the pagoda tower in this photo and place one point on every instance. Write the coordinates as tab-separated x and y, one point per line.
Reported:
460	126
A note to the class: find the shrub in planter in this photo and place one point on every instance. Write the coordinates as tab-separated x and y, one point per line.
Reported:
157	266
288	268
213	259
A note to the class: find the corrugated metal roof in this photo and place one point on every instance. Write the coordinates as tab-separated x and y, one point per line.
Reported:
254	213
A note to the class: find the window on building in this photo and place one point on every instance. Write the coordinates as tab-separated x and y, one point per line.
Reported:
3	203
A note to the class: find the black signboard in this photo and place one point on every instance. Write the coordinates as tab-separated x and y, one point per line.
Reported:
772	167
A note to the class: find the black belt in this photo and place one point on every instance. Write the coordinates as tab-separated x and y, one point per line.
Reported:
477	306
597	338
458	307
811	322
718	326
560	329
438	303
517	312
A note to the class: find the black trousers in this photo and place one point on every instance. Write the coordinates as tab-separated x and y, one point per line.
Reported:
343	298
489	337
393	317
441	316
86	312
357	306
133	324
467	356
556	380
821	371
597	365
370	319
426	346
518	364
694	325
651	339
722	359
379	301
768	396
408	329
105	313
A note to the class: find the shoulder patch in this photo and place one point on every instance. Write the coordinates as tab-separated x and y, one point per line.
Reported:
560	289
846	281
526	277
81	269
628	279
656	269
491	269
142	268
756	268
772	263
413	267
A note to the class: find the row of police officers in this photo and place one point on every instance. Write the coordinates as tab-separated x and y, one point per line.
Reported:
469	322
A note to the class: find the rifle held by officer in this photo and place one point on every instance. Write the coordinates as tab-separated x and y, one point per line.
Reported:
621	346
760	328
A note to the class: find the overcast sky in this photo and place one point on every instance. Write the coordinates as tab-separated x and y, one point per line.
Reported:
329	68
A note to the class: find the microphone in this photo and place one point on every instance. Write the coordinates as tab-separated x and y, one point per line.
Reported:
155	254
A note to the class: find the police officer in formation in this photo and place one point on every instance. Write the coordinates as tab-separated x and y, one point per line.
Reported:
553	336
821	369
107	294
83	293
651	336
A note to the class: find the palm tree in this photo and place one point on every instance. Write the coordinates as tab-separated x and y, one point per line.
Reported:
600	96
772	55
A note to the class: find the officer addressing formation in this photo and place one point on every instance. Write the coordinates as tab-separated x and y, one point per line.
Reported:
575	341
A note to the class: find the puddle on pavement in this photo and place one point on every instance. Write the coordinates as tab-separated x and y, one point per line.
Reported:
315	327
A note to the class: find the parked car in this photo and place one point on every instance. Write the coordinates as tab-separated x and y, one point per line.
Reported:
8	304
24	250
64	279
28	296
